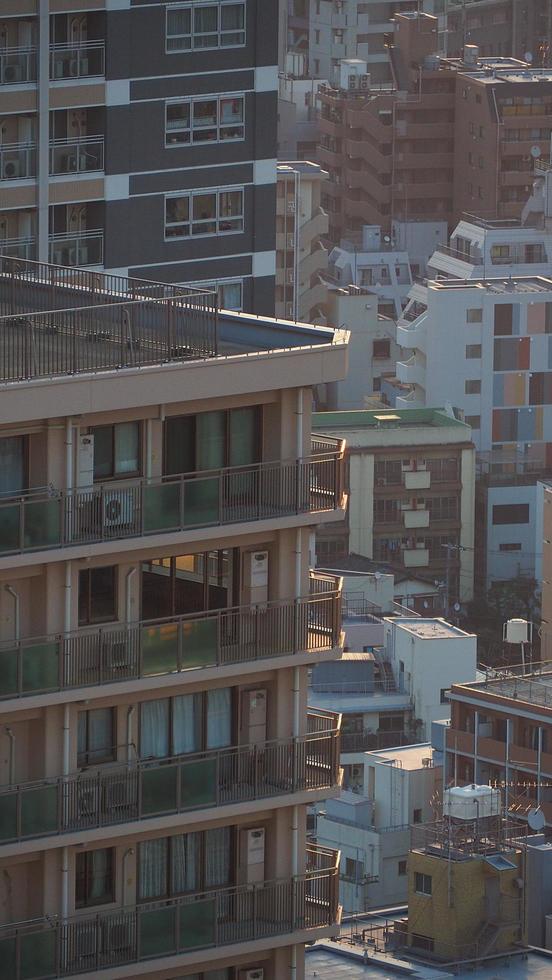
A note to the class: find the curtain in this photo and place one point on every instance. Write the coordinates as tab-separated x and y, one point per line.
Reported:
186	724
153	868
219	718
243	436
154	729
185	861
217	857
100	733
210	440
12	465
101	878
232	15
126	447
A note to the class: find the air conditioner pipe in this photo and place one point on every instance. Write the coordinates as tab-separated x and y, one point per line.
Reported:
16	611
128	594
11	773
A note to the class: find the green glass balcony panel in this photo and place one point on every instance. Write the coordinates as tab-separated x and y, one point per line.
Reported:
159	790
8	958
198	783
8	672
157	932
199	642
42	524
38	955
161	505
196	926
39	811
8	816
160	649
201	501
10	515
40	671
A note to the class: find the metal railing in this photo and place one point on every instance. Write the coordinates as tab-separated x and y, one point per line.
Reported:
18	248
120	794
76	248
368	741
55	947
57	321
17	65
39	665
17	160
83	60
209	498
76	156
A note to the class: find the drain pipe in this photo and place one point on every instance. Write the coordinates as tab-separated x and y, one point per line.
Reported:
66	751
11	773
128	596
130	712
69	454
16	611
129	851
296	670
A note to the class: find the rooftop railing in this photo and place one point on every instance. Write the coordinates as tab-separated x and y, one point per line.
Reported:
118	794
39	665
18	248
65	519
55	947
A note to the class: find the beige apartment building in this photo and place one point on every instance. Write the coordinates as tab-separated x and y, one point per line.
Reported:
157	619
301	256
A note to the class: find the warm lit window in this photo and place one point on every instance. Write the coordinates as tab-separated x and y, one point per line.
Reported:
204	213
218	119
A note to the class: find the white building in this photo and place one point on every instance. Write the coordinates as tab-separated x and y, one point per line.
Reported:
297	123
374	263
370	822
350	29
426	657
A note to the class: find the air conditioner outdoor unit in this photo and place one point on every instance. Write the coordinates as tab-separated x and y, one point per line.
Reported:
116	652
12	73
364	83
290	241
353	81
118	507
69	163
87	801
11	169
256	974
119	792
117	936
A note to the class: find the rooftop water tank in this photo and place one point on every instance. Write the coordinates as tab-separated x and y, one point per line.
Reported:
471	802
517	631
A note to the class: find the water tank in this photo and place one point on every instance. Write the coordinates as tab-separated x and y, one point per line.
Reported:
517	631
471	802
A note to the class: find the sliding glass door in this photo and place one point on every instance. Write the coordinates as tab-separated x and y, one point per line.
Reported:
188	584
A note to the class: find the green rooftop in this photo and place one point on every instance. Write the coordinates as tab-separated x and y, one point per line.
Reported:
391	418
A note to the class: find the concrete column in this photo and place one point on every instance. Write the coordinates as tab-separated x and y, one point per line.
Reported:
43	135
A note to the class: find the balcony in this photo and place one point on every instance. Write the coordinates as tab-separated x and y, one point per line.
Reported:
74	61
17	161
80	248
412	371
313	228
412	333
55	947
18	248
87	801
417	479
17	66
80	156
209	498
415	557
416	518
221	639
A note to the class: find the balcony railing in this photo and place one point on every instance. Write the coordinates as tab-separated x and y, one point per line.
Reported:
52	947
121	794
79	156
18	248
149	649
84	60
17	160
208	498
372	741
76	248
17	66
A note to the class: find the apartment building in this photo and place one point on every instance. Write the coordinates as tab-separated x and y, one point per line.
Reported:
500	27
141	138
301	257
158	619
411	481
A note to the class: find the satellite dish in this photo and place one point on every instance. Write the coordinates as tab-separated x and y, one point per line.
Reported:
528	56
535	819
536	152
386	238
457	607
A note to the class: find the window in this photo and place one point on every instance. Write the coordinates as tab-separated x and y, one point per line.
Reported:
473	420
417	818
444	695
472	387
474	316
510	546
13	465
402	868
205	25
187	723
212	440
422	883
473	350
95	736
204	120
94	880
390	723
97	595
481	132
204	213
183	863
354	870
381	348
511	514
116	450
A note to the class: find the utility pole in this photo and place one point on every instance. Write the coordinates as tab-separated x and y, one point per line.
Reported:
450	548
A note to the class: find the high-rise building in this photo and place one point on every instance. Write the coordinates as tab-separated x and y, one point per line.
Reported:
301	257
499	27
141	138
158	618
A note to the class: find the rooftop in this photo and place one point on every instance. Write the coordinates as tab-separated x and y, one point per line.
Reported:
305	167
409	757
429	629
516	683
519	284
388	419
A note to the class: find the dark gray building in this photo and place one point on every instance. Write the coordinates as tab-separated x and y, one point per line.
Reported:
140	136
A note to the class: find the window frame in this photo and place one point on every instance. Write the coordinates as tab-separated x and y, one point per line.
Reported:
217	219
111	755
193	34
85	857
202	864
258	437
424	881
234	701
114	475
24	441
218	125
93	620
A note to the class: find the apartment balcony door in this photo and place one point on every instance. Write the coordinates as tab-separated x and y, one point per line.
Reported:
186	584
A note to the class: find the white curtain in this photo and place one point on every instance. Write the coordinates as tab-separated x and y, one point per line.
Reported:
219	718
185	860
154	729
217	857
153	868
186	722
